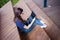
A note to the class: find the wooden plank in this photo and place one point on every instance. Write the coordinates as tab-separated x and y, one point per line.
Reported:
0	19
8	29
54	14
26	10
38	34
39	3
52	29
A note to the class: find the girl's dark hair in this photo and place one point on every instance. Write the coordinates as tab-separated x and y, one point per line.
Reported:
20	9
17	13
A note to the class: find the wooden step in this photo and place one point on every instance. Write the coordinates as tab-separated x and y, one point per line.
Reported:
52	3
39	3
52	30
54	14
37	34
8	29
52	9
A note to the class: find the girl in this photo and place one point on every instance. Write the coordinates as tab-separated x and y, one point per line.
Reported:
26	25
20	23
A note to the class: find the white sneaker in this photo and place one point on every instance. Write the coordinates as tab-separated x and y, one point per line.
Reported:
44	25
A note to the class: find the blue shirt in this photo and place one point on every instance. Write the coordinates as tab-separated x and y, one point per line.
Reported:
20	24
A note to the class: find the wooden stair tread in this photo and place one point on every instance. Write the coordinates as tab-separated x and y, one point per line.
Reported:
38	34
54	14
8	29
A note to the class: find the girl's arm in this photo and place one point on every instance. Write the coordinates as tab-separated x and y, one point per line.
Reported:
27	27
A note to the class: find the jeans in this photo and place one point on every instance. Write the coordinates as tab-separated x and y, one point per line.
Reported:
37	21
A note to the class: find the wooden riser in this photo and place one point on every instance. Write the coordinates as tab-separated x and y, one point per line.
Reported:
8	29
52	29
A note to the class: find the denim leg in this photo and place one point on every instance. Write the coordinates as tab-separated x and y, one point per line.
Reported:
28	30
37	21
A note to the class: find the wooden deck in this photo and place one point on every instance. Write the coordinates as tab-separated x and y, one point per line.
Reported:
8	29
52	30
53	11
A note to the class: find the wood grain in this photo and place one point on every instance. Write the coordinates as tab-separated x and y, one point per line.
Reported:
8	29
38	34
52	30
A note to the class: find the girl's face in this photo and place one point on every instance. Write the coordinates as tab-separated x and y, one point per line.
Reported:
21	14
18	12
